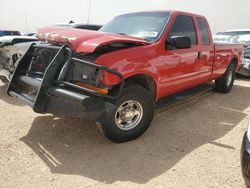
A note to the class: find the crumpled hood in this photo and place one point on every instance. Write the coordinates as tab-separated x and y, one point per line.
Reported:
85	41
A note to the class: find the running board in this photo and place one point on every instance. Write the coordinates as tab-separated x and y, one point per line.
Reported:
176	98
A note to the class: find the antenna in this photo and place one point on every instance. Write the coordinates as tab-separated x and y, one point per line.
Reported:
89	11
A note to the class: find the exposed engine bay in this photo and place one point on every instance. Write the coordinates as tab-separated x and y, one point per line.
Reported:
78	72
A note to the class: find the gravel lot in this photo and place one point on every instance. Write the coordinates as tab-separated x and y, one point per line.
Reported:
193	144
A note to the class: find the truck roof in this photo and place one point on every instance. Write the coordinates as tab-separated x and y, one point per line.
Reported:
171	11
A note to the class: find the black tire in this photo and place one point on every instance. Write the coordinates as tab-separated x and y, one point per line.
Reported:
222	85
140	95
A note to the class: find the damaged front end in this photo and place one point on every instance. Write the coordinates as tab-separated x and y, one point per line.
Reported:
53	79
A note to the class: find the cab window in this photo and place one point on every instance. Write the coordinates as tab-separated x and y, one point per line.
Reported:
204	31
183	26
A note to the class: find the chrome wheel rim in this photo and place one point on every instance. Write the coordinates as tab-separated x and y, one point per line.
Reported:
128	115
229	77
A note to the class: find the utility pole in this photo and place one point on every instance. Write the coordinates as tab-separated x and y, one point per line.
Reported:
26	21
89	11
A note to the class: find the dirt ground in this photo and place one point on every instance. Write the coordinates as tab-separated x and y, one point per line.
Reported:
192	144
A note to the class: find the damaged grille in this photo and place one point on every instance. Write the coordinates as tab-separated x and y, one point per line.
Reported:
39	62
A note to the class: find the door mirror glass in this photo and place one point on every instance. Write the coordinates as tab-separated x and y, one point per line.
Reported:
178	42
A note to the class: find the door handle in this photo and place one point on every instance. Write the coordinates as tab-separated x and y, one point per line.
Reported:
199	55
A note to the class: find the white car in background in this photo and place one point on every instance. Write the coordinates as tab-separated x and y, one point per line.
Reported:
241	36
12	48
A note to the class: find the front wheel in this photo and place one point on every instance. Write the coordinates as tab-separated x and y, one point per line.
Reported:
225	84
132	115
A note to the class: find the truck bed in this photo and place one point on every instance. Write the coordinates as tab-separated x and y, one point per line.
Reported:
224	53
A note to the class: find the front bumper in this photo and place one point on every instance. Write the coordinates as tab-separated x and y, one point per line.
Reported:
52	93
245	158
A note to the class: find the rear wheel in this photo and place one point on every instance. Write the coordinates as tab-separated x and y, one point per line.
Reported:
132	115
225	84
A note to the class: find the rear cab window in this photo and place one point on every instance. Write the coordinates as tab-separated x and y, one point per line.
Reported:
184	26
203	31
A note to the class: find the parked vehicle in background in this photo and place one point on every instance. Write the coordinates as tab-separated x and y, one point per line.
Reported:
12	48
29	34
8	33
237	37
93	27
245	156
232	35
117	74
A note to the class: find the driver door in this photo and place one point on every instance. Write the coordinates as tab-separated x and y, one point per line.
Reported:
180	69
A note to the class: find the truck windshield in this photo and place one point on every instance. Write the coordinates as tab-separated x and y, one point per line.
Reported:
146	25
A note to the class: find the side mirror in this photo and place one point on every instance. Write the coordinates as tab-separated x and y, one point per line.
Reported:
179	42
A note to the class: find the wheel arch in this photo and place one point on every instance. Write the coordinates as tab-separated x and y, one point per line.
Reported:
234	60
144	80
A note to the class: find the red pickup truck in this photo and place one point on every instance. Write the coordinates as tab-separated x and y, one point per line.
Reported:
117	74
